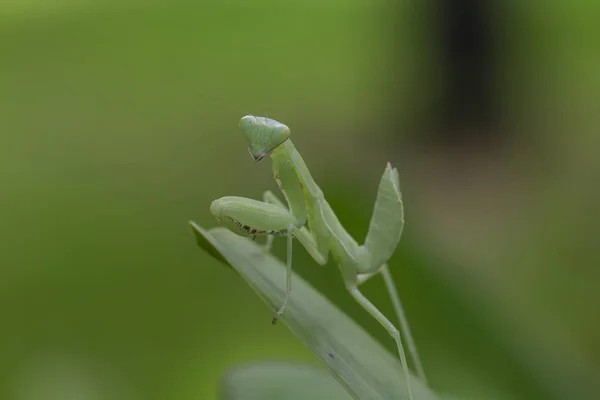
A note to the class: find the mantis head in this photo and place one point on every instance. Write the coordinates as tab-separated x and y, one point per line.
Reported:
263	135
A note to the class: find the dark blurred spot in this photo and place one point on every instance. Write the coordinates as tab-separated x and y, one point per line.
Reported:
468	51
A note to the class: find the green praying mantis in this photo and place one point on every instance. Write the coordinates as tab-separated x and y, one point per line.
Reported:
309	218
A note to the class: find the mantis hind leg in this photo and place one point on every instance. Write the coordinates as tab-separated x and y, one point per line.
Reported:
404	326
400	314
375	313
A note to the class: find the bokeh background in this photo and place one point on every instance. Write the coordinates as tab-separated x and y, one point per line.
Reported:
118	124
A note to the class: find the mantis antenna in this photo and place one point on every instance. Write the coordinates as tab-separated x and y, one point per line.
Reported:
309	218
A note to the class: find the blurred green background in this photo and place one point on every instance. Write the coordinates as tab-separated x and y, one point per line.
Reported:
118	124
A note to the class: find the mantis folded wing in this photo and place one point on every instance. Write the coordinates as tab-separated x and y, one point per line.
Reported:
309	218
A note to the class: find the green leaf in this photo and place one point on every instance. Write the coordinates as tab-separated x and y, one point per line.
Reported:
270	380
359	363
206	242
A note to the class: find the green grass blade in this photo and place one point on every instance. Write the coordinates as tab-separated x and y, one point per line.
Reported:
270	380
359	363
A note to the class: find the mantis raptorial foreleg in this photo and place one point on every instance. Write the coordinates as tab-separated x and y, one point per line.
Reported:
324	233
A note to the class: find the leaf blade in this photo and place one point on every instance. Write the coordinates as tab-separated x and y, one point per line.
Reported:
358	362
270	380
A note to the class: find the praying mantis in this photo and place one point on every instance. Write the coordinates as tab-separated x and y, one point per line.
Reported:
310	219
